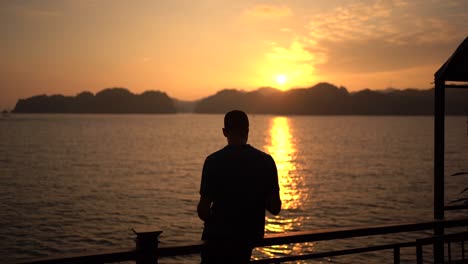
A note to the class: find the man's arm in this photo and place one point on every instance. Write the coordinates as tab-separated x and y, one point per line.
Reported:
204	208
273	200
273	203
206	192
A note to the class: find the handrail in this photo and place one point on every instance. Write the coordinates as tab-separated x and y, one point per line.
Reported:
457	237
341	233
181	249
110	256
195	247
456	207
335	253
459	86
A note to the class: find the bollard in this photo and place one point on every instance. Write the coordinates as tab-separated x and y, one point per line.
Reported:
147	247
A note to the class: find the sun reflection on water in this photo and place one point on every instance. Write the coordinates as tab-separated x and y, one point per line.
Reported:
281	146
283	151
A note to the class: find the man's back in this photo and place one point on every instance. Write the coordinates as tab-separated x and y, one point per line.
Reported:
238	183
238	179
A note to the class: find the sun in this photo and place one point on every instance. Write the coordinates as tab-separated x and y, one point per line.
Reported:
281	79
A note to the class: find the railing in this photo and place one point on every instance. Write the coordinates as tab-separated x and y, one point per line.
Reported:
148	251
449	239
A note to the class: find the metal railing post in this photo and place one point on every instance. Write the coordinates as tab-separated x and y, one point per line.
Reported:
396	255
439	154
147	247
463	249
419	253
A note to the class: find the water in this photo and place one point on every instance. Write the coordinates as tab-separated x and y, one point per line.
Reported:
79	183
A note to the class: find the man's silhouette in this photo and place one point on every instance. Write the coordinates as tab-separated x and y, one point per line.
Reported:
238	183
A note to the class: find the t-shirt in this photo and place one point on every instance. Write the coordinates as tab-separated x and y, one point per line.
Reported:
238	179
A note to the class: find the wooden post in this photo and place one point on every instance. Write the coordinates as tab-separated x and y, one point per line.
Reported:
147	247
439	155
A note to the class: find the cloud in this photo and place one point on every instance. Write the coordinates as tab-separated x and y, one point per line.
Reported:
381	36
296	61
145	59
394	21
33	12
40	14
295	53
268	11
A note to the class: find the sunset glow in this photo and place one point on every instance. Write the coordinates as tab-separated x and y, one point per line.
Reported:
192	49
281	79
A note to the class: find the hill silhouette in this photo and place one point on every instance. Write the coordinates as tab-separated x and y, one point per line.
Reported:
327	99
321	99
184	106
112	100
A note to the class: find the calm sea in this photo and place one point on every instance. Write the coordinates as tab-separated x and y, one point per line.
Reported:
80	183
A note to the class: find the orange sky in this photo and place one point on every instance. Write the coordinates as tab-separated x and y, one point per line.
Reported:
191	49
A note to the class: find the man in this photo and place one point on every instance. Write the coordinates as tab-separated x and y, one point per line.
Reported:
238	183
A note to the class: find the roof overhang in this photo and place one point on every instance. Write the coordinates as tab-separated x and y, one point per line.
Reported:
456	67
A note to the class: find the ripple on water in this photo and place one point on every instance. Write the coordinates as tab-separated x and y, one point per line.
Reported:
81	183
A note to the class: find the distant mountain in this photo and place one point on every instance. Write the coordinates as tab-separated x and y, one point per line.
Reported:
184	106
268	91
321	99
327	99
113	100
388	90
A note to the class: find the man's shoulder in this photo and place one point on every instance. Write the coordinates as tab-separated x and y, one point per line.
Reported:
258	152
249	150
217	154
260	157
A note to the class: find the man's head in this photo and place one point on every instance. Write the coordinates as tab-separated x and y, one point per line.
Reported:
236	127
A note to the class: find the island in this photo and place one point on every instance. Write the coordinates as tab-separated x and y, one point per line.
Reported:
109	101
328	99
320	99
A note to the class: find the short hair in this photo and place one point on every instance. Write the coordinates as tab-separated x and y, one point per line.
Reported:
236	120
